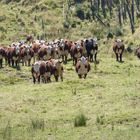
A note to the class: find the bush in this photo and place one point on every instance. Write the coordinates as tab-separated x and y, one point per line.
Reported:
100	120
118	31
66	24
80	120
109	35
80	12
38	124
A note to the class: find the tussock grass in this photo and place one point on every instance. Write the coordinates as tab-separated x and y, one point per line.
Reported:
80	120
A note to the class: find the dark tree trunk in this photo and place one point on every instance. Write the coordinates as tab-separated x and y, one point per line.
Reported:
124	15
132	11
103	5
137	4
130	17
120	16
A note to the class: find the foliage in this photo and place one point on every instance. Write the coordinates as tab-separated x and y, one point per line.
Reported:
80	120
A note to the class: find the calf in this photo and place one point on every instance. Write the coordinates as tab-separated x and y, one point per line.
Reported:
118	48
57	69
76	52
12	55
82	67
41	69
26	55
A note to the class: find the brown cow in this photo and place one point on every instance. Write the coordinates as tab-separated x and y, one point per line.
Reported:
82	67
45	53
2	54
118	49
64	50
76	52
38	71
138	52
57	69
26	55
36	46
13	55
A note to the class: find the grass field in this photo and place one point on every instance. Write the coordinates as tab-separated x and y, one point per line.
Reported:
109	99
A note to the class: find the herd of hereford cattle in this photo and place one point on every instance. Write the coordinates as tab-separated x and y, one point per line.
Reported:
48	57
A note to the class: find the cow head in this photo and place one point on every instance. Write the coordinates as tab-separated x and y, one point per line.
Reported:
17	50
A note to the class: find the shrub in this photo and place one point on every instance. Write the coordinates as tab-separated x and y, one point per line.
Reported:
80	120
38	124
100	120
80	12
109	35
118	31
66	24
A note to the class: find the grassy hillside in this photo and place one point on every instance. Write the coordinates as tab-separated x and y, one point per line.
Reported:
46	19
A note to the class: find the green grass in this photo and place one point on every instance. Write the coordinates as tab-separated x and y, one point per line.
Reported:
109	98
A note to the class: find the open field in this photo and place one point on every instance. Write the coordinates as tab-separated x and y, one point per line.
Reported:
109	98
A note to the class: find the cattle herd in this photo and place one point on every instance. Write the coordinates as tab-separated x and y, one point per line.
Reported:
48	56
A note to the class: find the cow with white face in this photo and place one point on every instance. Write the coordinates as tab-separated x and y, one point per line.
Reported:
26	54
63	50
82	67
57	69
13	54
118	48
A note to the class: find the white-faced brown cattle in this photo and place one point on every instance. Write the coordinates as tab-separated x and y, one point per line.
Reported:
26	54
2	55
57	69
13	55
64	49
76	52
82	67
118	48
38	71
138	52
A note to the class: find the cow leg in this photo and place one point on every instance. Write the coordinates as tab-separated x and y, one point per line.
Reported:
22	62
65	59
12	63
91	57
73	62
85	76
56	78
6	62
61	78
29	62
16	62
34	80
95	57
117	58
39	79
80	76
9	62
121	57
48	79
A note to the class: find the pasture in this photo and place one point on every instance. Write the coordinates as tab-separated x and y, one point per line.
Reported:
109	98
